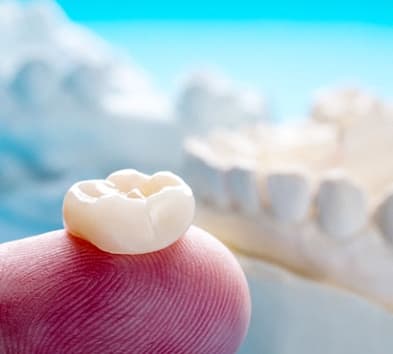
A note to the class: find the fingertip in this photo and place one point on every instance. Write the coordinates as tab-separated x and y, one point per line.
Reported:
62	294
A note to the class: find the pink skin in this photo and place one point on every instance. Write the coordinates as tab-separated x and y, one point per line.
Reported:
60	294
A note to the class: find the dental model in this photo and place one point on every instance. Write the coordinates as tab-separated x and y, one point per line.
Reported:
310	197
129	212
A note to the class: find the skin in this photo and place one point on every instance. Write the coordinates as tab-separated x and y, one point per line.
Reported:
60	294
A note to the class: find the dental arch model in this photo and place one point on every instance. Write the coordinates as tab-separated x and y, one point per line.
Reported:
312	197
130	212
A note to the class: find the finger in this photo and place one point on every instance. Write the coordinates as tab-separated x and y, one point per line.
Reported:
60	294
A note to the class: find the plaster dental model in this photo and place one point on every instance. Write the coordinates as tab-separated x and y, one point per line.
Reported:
173	289
60	77
315	200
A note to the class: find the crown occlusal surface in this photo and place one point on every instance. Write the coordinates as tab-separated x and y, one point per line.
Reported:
129	212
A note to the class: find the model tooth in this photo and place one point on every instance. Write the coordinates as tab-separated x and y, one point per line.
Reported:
289	194
342	206
194	165
342	105
243	189
130	212
207	177
215	185
34	83
384	216
210	101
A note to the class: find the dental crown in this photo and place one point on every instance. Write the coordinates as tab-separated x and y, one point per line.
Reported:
129	212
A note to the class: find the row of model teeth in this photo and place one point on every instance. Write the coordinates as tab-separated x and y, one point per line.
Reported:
338	204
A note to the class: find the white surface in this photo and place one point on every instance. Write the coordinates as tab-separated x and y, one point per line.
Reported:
292	315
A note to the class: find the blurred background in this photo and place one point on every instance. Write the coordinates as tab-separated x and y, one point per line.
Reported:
68	68
89	87
287	49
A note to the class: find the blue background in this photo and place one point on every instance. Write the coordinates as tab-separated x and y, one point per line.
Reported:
379	11
287	49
